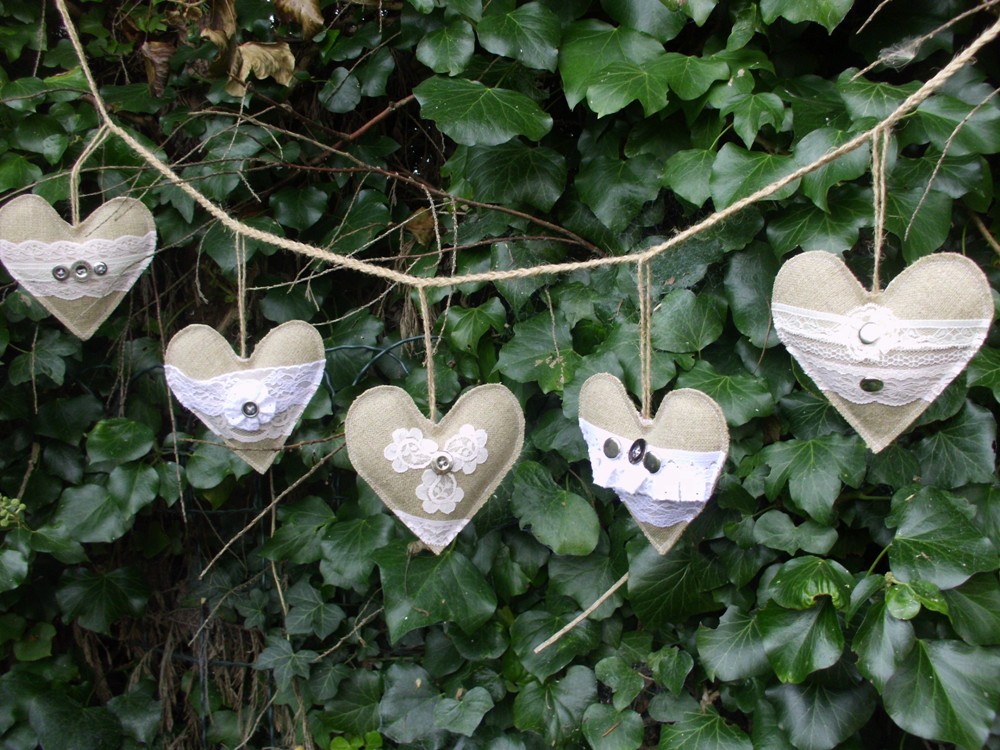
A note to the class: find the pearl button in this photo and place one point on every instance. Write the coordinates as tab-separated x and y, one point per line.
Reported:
81	270
441	463
250	409
100	268
870	333
60	273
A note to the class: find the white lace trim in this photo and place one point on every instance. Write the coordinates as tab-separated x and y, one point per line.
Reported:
679	489
911	359
434	533
278	396
462	452
33	262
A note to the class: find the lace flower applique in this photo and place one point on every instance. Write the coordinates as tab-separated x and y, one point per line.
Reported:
462	453
249	405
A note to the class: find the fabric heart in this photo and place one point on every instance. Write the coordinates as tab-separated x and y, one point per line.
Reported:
881	357
78	273
434	477
253	404
664	469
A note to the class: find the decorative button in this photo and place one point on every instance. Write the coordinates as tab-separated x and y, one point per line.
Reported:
872	385
441	463
100	268
250	409
81	270
60	273
651	462
637	451
611	448
870	333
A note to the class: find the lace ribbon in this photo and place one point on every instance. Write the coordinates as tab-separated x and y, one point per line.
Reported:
871	356
677	491
434	533
32	263
278	396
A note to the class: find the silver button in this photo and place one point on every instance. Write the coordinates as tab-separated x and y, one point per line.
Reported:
441	463
870	333
249	409
60	273
100	268
611	449
81	270
637	451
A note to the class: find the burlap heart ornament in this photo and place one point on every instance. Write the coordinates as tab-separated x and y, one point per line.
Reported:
434	477
663	469
79	273
882	357
251	403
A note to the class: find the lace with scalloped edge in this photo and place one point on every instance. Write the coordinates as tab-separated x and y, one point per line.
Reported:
911	360
214	401
31	263
685	479
434	533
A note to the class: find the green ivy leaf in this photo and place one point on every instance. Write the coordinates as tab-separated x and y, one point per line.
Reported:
751	112
686	322
704	730
776	530
473	114
95	600
823	712
738	173
407	707
827	13
421	590
616	189
606	728
960	128
309	613
947	691
800	642
688	76
41	134
340	94
585	579
655	19
802	225
816	144
749	280
514	173
541	350
284	661
624	681
962	452
535	626
937	539
355	710
555	710
984	370
17	172
687	173
734	650
800	583
13	569
63	724
119	440
665	589
741	397
448	49
670	667
881	643
621	83
140	715
303	527
529	34
815	471
463	715
558	518
920	221
974	610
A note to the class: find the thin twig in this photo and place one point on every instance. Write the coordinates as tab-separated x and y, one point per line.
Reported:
583	615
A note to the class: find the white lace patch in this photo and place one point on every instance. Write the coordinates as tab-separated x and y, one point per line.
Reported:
462	452
73	270
676	490
871	356
249	405
433	532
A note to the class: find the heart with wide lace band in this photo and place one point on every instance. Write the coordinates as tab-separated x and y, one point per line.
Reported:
252	403
79	273
882	357
434	477
663	469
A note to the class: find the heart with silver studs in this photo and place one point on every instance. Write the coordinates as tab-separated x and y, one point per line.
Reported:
79	273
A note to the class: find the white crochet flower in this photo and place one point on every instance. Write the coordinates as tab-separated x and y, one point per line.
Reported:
409	449
440	493
467	449
249	405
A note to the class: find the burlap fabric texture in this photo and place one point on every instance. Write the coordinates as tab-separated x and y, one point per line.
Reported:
280	376
434	477
687	420
924	327
78	273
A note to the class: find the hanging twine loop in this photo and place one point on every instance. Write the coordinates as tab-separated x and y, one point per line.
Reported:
880	152
425	318
241	291
74	173
644	281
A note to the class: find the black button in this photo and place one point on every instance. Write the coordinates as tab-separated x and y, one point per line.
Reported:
637	451
611	448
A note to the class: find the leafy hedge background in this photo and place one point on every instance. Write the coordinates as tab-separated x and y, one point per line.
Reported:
827	597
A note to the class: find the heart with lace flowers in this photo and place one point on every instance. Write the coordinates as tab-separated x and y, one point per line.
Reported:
79	273
663	469
252	403
881	358
434	477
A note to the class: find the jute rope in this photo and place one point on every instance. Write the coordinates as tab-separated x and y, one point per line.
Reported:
644	281
880	154
74	173
908	105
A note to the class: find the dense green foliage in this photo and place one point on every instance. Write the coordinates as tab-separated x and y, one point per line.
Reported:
828	597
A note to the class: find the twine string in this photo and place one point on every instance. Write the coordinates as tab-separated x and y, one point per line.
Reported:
425	319
880	151
241	291
74	172
644	281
